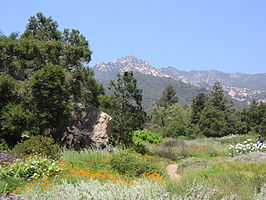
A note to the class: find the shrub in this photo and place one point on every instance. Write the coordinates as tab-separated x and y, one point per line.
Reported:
173	143
139	148
140	190
146	137
174	130
97	190
3	145
33	168
18	121
38	145
246	147
192	164
140	138
133	164
169	154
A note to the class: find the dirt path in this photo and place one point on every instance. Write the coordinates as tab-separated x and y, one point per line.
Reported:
171	170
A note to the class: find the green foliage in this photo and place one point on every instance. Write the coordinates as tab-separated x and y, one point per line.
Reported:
93	158
173	130
8	88
84	88
217	98
133	164
70	49
18	121
125	107
168	97
212	123
31	168
198	104
213	116
38	145
153	87
42	28
50	96
171	121
146	137
4	145
255	117
42	75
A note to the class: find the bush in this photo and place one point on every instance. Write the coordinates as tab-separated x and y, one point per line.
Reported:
168	154
192	164
33	168
133	164
146	137
3	145
139	148
246	147
38	145
141	189
174	130
18	121
141	138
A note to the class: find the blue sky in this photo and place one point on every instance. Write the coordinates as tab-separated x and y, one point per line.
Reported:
227	35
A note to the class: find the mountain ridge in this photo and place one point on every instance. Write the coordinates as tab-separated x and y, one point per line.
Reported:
239	86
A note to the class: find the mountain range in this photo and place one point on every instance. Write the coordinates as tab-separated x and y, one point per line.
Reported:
240	87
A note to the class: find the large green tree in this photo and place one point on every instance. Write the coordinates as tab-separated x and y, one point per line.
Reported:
125	107
218	100
198	104
42	73
168	97
217	117
254	117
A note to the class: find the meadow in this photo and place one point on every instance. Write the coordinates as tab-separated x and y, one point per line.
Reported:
209	168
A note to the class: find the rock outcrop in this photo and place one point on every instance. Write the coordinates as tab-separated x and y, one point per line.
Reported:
87	127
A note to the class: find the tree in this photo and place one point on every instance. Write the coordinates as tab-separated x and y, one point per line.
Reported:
171	121
50	96
84	88
125	107
217	119
168	97
217	98
43	73
198	104
8	90
255	117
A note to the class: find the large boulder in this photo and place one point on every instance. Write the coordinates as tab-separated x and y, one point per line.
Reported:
87	127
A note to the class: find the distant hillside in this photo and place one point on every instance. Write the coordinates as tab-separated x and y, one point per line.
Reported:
149	79
250	81
242	88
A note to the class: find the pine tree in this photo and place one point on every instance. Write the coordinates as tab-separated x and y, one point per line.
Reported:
198	104
168	97
217	98
125	107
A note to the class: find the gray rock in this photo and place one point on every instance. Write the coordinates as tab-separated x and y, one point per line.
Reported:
87	127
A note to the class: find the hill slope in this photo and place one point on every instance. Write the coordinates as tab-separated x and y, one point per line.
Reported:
240	87
151	80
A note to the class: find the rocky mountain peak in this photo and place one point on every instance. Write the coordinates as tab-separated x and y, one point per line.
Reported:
241	87
130	59
129	63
